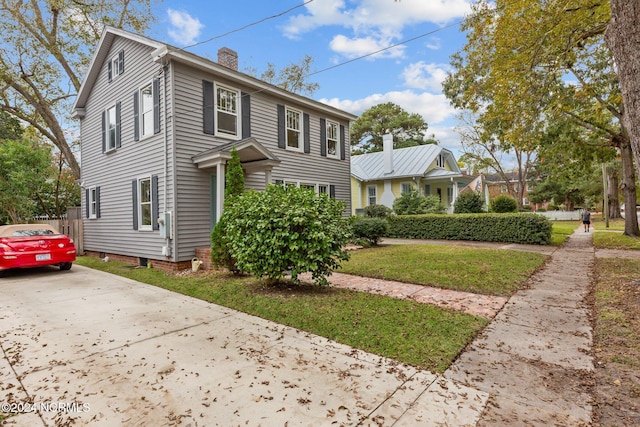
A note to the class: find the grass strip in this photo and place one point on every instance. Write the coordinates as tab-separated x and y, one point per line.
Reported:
418	334
477	270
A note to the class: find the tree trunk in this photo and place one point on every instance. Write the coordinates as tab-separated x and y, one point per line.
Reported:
612	195
623	38
629	189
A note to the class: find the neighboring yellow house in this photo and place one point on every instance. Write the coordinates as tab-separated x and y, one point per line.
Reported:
380	178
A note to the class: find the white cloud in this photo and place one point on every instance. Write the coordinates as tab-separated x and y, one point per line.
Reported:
357	47
421	75
185	29
433	108
368	15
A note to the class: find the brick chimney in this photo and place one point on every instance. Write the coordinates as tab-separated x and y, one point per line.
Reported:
228	58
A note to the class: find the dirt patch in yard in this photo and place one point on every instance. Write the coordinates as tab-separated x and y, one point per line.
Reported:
617	342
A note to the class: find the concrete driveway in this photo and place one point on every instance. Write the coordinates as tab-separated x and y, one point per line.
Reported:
98	349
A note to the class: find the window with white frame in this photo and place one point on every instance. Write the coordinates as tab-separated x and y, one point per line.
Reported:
406	188
145	204
449	194
503	188
227	117
294	129
440	161
146	110
93	202
372	195
427	189
323	188
333	141
111	128
116	65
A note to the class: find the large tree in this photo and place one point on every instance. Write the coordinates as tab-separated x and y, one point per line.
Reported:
45	50
293	77
528	65
623	38
408	129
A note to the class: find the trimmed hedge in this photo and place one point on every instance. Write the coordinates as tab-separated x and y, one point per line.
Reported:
370	229
508	228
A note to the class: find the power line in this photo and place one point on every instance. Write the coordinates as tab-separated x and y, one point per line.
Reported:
249	25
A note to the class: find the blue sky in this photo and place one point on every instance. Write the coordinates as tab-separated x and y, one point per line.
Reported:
335	32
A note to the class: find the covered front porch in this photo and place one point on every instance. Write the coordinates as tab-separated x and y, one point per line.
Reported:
254	158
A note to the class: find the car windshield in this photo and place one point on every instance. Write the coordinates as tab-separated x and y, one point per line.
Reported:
29	233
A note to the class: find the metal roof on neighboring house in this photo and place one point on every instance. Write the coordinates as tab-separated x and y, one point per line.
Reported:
407	162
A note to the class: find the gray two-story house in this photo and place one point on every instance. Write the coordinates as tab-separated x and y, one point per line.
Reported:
157	128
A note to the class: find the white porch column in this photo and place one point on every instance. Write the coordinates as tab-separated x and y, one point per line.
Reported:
267	177
220	172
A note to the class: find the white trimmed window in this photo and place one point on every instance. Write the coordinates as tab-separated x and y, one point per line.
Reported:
145	204
440	161
111	128
293	120
146	110
227	111
372	195
449	194
93	202
406	188
333	140
323	188
427	189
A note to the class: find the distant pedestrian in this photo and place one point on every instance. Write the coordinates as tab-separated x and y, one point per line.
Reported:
586	219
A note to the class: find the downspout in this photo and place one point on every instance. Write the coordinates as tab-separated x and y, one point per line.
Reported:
166	156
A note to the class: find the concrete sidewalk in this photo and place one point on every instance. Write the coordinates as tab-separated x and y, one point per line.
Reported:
127	353
535	358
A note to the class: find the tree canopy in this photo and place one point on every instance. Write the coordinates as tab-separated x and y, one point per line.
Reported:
293	77
528	65
408	129
46	48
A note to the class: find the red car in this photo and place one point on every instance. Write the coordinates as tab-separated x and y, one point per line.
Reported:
34	245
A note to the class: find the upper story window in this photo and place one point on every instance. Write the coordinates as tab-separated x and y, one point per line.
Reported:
146	110
333	139
294	129
111	128
440	161
227	117
116	65
226	111
93	200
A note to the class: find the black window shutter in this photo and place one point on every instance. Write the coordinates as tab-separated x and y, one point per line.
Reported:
87	199
246	114
118	140
323	137
110	71
154	204
121	62
136	116
281	127
97	202
332	191
342	143
104	131
134	197
307	133
156	105
208	111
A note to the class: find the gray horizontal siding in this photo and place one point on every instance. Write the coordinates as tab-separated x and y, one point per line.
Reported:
113	172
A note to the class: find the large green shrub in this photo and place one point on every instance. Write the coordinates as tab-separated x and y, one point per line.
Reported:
234	188
287	229
468	202
370	229
511	228
377	211
504	204
412	203
434	205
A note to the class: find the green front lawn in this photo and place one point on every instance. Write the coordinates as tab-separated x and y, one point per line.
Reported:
561	230
482	271
418	334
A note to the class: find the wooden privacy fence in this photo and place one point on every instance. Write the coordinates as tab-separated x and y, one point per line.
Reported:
72	228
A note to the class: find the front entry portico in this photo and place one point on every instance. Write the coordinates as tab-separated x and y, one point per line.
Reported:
254	158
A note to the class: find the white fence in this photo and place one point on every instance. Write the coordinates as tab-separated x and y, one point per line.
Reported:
561	215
